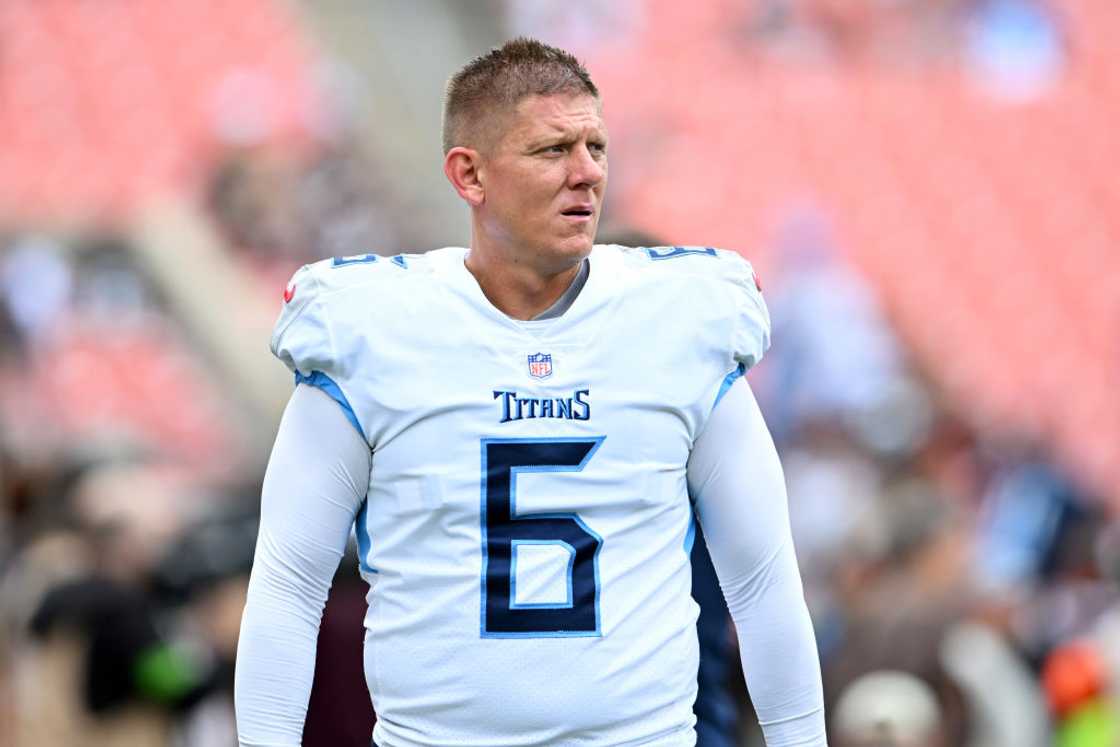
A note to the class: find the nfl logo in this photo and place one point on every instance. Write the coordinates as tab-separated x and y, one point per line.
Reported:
540	365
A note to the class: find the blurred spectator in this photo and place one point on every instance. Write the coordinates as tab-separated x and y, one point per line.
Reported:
834	355
844	32
578	25
887	709
279	211
36	283
1005	702
96	351
1022	512
253	197
137	603
1015	49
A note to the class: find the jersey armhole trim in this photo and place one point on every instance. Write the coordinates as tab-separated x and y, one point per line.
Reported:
361	534
690	533
728	381
327	384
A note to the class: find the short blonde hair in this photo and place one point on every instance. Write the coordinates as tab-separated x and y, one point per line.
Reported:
497	81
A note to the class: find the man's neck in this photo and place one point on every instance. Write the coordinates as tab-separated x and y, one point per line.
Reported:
568	297
518	290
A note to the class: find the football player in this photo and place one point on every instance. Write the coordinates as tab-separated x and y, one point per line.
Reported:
522	434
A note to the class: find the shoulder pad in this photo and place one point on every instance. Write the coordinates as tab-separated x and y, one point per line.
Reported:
720	277
302	336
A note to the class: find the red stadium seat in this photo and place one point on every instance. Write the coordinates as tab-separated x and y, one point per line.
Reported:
1003	217
105	85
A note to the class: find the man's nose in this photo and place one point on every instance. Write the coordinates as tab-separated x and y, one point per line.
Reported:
586	170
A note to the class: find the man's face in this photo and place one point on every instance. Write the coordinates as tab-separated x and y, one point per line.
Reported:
544	179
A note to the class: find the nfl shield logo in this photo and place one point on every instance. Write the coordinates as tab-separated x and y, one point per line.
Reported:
540	365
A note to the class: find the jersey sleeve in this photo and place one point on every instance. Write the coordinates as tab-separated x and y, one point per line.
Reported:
302	336
315	483
306	338
750	320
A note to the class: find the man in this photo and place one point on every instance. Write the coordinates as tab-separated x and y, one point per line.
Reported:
521	433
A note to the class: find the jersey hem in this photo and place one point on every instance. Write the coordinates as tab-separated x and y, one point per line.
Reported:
678	737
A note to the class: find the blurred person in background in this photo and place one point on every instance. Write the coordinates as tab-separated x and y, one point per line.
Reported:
101	393
916	537
278	211
1014	49
526	623
133	640
839	360
887	709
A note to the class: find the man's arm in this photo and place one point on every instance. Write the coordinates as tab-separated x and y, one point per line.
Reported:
316	480
736	480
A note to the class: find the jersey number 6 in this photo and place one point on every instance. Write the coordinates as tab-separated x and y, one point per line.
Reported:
502	529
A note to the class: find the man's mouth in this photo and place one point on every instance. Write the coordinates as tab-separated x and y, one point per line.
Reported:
578	212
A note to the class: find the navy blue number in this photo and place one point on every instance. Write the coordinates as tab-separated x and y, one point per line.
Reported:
667	252
503	528
354	259
366	259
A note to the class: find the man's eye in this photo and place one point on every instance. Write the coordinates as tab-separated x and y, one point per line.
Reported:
558	148
598	147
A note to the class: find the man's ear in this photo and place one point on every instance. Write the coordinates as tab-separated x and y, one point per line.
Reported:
461	165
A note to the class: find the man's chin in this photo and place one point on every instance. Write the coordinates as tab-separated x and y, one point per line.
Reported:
581	242
577	249
563	255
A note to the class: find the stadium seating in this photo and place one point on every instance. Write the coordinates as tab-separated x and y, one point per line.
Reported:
104	104
991	228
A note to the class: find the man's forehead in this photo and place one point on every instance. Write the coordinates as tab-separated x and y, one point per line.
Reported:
537	115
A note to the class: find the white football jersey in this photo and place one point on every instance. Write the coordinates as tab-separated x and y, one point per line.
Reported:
527	528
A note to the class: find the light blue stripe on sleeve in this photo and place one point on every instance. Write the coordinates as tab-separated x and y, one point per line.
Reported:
361	532
327	384
690	534
728	381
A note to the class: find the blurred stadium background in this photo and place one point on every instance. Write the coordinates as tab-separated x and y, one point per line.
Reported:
928	187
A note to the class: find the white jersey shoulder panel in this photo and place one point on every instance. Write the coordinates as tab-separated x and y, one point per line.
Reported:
327	331
718	280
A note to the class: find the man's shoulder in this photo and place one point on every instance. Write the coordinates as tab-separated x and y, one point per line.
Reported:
364	280
333	302
322	280
700	286
690	264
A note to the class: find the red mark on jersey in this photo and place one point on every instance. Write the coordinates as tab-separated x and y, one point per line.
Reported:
289	292
757	282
